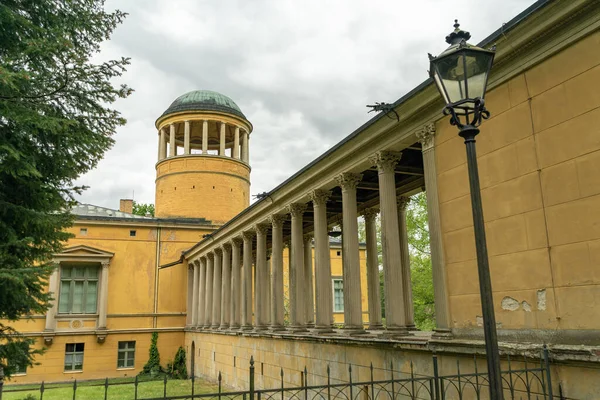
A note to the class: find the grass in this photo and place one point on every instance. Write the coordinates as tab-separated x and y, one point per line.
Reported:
119	389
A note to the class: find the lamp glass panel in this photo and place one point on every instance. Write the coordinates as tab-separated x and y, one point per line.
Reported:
450	72
477	69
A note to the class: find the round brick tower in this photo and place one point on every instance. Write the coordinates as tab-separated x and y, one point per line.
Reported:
203	168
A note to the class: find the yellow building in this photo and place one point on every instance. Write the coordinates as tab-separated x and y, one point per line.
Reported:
121	277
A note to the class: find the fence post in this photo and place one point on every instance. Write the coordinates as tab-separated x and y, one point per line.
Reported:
436	377
165	387
328	383
1	381
135	384
305	383
220	385
282	391
251	378
42	388
105	388
393	396
74	388
548	373
193	386
372	384
350	379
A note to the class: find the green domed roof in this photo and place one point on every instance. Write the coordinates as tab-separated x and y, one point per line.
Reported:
204	100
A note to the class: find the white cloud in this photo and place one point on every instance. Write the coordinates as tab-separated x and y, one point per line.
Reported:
302	72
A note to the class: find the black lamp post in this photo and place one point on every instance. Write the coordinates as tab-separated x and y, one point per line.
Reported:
461	74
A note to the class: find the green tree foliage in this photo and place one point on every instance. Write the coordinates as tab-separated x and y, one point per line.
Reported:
55	125
153	367
143	208
177	369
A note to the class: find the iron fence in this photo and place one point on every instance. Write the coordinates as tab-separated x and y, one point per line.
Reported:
521	380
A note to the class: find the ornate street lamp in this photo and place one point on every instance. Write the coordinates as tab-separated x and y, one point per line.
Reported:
461	74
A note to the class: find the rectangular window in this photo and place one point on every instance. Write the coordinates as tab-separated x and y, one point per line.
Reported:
126	356
78	290
74	357
132	233
20	369
338	295
83	231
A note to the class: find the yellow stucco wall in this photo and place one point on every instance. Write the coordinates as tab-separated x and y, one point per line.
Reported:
538	159
131	302
200	186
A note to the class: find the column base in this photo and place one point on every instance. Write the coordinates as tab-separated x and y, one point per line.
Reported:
354	330
297	329
224	327
214	326
234	327
260	328
395	332
277	328
375	327
310	325
442	334
412	327
323	330
246	328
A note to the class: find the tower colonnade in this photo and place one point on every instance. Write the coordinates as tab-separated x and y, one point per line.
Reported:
197	134
382	187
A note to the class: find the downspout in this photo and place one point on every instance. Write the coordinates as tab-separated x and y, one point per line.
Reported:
154	318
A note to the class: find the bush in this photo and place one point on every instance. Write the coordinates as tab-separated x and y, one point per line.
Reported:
177	369
153	367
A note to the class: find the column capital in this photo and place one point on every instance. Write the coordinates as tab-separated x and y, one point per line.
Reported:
402	202
385	160
296	209
236	241
369	214
105	264
277	220
261	228
226	247
348	180
210	256
248	235
218	251
308	237
319	197
426	136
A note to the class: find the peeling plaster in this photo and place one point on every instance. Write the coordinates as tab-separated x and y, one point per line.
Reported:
510	304
541	299
526	306
479	320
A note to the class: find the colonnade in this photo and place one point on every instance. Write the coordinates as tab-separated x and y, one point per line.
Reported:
222	294
167	141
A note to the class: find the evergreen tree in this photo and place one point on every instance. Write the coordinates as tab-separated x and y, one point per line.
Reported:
177	369
55	124
153	365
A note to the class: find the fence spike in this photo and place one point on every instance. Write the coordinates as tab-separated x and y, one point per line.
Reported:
136	387
105	388
42	391
74	388
165	387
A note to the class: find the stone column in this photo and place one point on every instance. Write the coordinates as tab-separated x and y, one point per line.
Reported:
277	310
189	315
370	216
195	292
324	297
236	143
162	145
268	291
309	292
222	139
202	293
226	287
297	290
216	300
350	253
186	138
205	137
172	145
103	303
409	313
54	287
245	154
261	283
235	283
247	282
390	242
210	263
438	265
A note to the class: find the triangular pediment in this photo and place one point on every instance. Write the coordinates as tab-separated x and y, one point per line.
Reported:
83	253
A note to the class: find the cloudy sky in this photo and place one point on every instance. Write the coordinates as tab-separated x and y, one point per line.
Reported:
301	71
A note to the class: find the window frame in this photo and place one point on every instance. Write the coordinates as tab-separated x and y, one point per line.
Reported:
72	279
128	352
333	289
73	364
